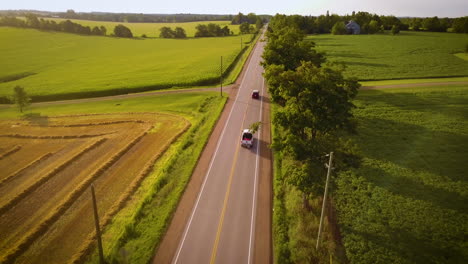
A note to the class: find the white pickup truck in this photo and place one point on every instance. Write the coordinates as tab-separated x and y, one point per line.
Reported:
247	138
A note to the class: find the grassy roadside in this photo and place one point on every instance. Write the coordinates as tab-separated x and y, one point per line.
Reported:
137	230
295	229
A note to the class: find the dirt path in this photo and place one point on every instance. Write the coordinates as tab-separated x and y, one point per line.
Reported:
410	85
226	89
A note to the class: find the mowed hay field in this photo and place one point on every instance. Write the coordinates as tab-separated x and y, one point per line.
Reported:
149	29
57	160
138	152
408	202
52	63
403	56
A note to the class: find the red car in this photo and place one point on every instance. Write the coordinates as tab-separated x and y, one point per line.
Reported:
255	94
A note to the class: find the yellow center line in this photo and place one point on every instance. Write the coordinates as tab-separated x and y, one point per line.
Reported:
226	197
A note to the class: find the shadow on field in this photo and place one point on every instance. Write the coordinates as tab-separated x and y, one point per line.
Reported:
416	147
442	103
367	64
36	119
348	55
402	244
414	189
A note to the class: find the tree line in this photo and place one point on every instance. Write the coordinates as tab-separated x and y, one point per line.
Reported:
372	23
124	17
314	107
32	21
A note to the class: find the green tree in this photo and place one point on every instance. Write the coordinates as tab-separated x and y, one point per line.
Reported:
202	31
286	46
258	23
166	32
431	23
122	31
20	97
103	30
32	21
244	28
179	33
254	127
339	28
96	31
395	29
460	25
317	104
373	27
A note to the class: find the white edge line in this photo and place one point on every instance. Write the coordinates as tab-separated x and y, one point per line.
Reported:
254	198
209	169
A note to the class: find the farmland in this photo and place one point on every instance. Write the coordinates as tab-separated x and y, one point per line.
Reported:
404	56
55	65
52	154
150	29
407	203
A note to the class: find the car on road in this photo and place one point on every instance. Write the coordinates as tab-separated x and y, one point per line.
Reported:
255	94
247	138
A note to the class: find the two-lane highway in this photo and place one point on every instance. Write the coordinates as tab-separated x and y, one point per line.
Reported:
221	226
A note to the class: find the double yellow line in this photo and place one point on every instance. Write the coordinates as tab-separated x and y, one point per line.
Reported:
226	198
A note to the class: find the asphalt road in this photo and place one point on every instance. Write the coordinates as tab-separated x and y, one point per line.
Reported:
221	226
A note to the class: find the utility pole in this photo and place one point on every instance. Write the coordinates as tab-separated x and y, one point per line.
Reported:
221	77
98	230
329	166
241	42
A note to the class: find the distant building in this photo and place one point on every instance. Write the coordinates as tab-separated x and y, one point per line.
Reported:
353	28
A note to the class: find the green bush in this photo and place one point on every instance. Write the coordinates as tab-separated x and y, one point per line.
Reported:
339	28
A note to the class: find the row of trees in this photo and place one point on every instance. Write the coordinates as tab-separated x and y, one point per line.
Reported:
32	21
143	18
324	23
212	30
314	110
340	29
167	32
68	26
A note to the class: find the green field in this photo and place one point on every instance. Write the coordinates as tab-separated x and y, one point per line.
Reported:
139	227
51	63
149	29
404	56
408	202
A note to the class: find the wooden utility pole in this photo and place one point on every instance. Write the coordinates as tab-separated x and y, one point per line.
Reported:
221	77
98	230
324	199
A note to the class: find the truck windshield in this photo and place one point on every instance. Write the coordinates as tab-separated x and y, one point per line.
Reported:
247	136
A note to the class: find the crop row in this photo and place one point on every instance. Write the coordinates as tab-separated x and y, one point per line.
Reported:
88	246
9	152
98	123
34	162
55	137
27	240
49	175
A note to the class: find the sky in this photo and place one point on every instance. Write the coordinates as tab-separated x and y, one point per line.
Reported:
416	8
